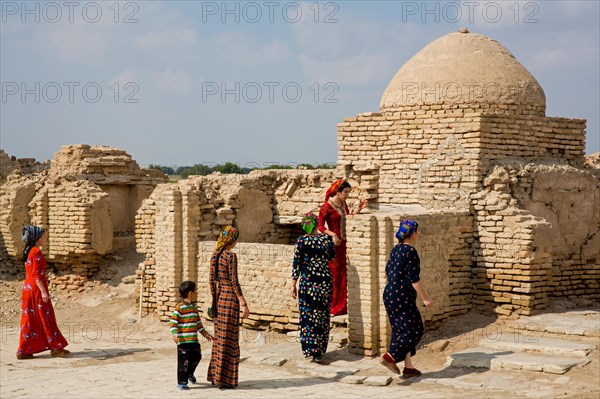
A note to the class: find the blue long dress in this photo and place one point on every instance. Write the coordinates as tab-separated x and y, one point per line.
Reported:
310	266
400	300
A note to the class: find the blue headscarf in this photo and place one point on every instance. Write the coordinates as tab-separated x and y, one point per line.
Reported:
30	236
406	229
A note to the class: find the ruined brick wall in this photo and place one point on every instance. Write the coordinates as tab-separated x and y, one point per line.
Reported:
266	206
264	272
435	155
532	137
538	236
87	201
444	247
79	227
7	165
420	155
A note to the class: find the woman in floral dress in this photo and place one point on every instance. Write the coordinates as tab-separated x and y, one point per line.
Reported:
400	299
39	330
312	254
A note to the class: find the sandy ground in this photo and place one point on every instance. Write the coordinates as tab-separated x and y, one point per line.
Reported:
102	325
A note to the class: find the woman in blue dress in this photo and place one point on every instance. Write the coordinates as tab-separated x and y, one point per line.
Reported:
400	300
313	252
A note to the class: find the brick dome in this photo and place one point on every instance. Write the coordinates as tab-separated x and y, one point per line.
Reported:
465	68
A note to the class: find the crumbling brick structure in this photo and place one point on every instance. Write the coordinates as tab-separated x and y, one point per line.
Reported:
87	199
507	203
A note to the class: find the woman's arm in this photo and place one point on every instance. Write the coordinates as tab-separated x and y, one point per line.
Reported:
422	294
38	273
233	277
414	271
361	205
45	295
323	216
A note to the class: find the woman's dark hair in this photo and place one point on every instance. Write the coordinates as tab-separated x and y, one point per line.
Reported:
343	186
185	287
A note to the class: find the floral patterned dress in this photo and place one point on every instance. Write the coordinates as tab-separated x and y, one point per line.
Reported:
400	300
39	330
310	266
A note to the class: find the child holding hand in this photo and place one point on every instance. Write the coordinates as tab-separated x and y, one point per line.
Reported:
185	325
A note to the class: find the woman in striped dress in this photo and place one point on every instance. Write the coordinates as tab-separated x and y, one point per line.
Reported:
224	286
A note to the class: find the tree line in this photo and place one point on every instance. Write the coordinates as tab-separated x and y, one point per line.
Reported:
231	168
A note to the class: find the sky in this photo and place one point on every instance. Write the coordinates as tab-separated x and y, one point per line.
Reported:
255	83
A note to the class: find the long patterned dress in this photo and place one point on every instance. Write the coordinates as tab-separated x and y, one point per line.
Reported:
39	330
314	295
335	218
225	356
400	300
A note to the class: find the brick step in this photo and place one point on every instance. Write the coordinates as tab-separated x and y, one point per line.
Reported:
581	323
491	359
518	342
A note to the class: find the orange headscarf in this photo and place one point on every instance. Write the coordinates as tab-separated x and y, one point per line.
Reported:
333	189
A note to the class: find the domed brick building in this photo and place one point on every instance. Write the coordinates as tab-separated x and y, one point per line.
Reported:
507	208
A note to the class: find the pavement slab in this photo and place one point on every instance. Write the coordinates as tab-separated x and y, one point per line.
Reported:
498	360
520	342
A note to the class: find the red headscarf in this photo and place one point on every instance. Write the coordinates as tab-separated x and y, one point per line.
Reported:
333	189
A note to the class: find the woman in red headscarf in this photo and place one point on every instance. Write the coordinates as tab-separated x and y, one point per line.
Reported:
333	213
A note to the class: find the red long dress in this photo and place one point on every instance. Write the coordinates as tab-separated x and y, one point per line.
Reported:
39	331
336	222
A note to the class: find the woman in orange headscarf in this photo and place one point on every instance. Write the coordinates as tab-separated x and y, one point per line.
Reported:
333	213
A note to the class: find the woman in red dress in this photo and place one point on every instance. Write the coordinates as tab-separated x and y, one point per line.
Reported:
39	331
334	212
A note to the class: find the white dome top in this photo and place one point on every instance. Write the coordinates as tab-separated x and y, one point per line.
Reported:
463	68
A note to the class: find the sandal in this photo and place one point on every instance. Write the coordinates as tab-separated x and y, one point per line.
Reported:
60	353
22	356
408	373
389	364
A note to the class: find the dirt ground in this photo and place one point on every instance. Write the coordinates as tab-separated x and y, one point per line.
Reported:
106	310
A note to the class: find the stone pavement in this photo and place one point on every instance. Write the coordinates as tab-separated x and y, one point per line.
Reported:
142	364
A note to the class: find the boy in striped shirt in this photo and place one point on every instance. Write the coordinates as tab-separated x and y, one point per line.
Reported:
185	324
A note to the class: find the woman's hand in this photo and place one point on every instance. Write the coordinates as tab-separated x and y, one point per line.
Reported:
294	290
427	302
208	337
45	296
336	240
363	204
245	312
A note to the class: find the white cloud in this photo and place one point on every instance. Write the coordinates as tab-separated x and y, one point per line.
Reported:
165	38
77	44
357	70
352	52
243	49
173	81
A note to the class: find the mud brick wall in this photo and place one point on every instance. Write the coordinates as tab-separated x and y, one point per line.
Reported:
421	154
78	222
264	273
537	236
532	137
